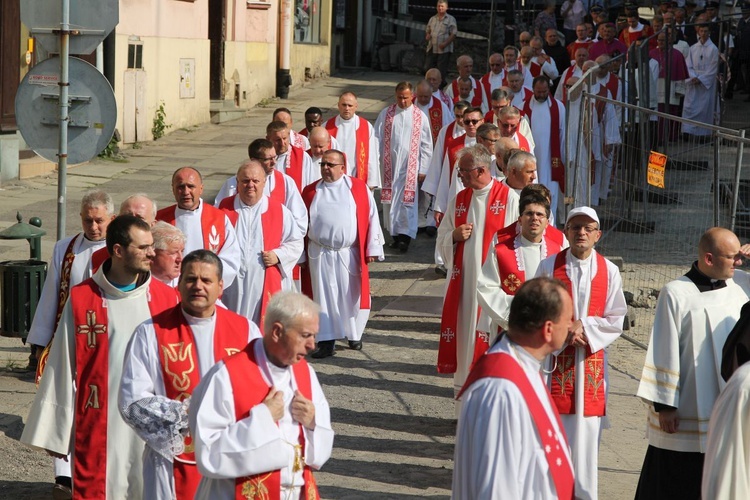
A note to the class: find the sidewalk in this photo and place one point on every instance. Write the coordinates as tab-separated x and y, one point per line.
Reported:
392	412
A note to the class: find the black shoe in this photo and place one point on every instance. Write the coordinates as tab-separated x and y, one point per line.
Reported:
403	246
441	270
394	244
326	348
355	345
430	231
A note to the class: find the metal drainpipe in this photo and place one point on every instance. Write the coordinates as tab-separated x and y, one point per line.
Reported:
283	75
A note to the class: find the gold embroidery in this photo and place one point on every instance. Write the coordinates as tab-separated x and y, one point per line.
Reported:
512	282
595	366
179	352
254	489
231	350
564	363
91	329
93	399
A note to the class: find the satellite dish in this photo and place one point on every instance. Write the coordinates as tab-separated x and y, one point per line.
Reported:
92	113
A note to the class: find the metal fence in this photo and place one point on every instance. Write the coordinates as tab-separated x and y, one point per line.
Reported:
654	229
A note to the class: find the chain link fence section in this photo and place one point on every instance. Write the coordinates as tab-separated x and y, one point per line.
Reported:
655	230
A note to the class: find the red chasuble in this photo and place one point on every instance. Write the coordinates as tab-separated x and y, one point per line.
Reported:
563	379
180	371
452	146
436	117
501	365
278	193
497	200
272	221
244	372
523	143
506	251
558	168
361	149
535	69
613	84
91	325
362	202
62	296
476	101
213	225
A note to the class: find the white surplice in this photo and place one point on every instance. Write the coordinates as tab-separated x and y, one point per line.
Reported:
472	263
434	168
498	450
485	105
189	222
398	217
226	449
282	165
726	468
142	377
42	327
541	129
334	260
347	139
450	183
52	416
700	98
683	360
584	432
244	296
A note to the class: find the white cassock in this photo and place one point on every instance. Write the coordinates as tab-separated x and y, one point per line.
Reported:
426	214
485	105
298	140
398	217
142	378
603	133
226	449
434	168
683	360
579	130
727	461
525	130
52	415
498	450
700	98
450	183
472	263
282	165
189	222
445	112
541	129
576	72
549	68
584	432
492	298
520	97
445	99
347	139
334	260
43	325
244	296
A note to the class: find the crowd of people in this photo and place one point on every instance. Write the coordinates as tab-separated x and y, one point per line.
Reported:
172	343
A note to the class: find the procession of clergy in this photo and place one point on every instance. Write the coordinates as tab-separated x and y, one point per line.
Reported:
172	342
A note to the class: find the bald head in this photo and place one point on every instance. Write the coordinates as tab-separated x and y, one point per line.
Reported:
719	253
320	141
526	54
251	180
141	206
501	147
434	77
424	93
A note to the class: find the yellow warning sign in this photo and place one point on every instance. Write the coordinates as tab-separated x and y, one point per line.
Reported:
657	164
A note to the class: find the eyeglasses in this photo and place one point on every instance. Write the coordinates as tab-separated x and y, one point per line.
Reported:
577	228
466	171
471	122
328	164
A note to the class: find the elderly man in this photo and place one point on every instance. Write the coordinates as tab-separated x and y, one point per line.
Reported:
521	92
320	142
356	138
295	139
475	95
542	63
700	92
510	123
514	256
546	116
502	146
694	316
271	242
435	78
496	77
338	259
169	248
578	379
520	169
507	414
405	141
188	338
434	109
510	56
440	32
574	71
472	218
203	225
74	411
290	159
259	419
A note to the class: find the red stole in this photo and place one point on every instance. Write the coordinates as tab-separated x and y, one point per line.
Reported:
452	146
279	189
91	325
62	296
412	164
599	106
362	146
558	168
362	202
272	222
489	117
486	85
244	372
476	101
497	200
435	113
504	366
180	371
535	69
563	379
511	276
613	84
213	225
294	165
98	258
523	143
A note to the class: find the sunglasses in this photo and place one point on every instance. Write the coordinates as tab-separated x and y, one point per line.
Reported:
471	122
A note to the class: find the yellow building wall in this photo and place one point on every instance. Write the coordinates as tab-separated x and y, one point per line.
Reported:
252	66
315	58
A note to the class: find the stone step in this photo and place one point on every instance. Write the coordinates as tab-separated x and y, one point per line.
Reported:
32	165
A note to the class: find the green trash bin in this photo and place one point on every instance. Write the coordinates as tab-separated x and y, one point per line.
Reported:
21	283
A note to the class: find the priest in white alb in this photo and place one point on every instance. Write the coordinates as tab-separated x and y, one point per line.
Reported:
343	238
405	142
259	419
75	409
700	102
271	243
509	441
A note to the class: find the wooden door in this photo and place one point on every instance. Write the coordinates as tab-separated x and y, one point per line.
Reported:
10	62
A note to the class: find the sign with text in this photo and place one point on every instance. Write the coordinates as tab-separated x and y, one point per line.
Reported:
657	164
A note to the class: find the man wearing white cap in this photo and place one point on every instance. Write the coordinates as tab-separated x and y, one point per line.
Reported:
578	381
